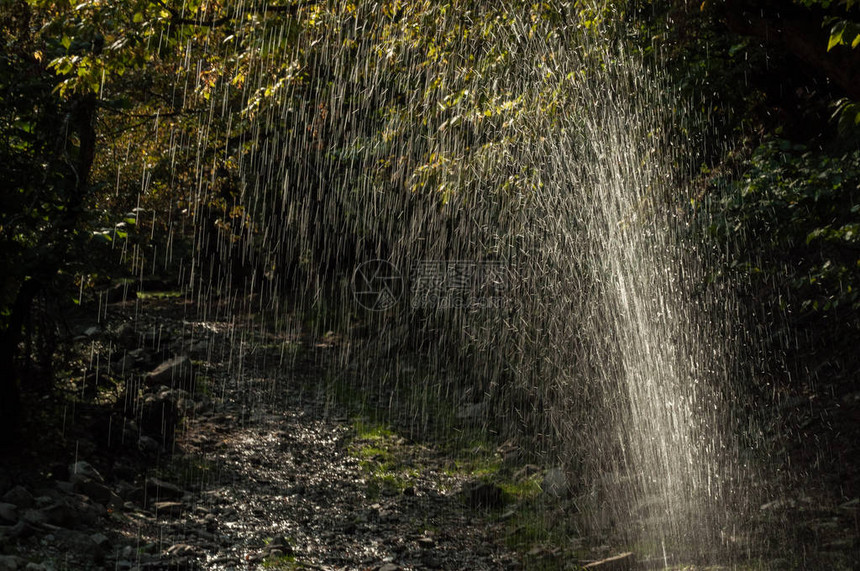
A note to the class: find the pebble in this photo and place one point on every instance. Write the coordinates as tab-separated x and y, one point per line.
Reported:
20	496
86	469
8	513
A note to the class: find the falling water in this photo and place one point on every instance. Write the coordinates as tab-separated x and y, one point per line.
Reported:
561	158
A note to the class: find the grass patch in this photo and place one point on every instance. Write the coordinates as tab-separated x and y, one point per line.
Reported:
527	489
385	458
158	294
366	430
283	562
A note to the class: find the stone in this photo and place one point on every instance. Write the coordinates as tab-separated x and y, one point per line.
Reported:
80	543
181	550
175	373
99	539
10	563
34	517
161	490
35	567
555	483
484	495
94	490
525	472
124	364
474	411
148	445
8	513
159	416
126	336
120	292
167	508
58	514
20	496
66	487
432	561
389	567
20	530
86	469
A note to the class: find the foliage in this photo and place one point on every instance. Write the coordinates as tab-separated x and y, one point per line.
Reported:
795	217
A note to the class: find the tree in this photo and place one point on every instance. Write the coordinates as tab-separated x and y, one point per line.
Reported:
48	150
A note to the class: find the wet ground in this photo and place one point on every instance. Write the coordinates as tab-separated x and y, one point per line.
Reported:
275	467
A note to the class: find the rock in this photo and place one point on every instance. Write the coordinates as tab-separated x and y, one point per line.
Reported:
85	469
148	445
432	561
140	354
80	543
167	508
622	562
278	547
181	550
526	472
175	373
66	487
94	490
850	504
8	514
20	496
120	292
99	539
473	411
126	336
35	517
199	349
555	483
484	495
389	567
92	330
35	567
159	416
59	514
59	471
161	490
124	364
20	530
10	563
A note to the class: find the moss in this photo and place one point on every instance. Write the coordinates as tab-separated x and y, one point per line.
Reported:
158	294
284	562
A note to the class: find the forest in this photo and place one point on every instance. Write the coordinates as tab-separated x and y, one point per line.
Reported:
429	285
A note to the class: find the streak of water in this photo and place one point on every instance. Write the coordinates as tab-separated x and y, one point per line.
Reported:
522	137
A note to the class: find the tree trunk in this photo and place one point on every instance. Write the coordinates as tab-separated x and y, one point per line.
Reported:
81	120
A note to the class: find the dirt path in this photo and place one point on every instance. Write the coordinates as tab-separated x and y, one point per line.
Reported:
288	490
274	476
